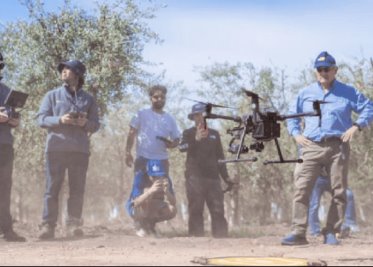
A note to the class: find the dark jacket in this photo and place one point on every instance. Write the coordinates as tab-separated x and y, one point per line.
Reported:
203	156
6	137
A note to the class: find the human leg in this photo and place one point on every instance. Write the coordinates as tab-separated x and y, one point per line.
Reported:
338	170
322	184
6	170
215	204
196	201
55	173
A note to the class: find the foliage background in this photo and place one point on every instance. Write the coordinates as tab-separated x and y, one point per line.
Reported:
110	42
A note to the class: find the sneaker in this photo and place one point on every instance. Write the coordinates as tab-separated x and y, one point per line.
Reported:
294	240
330	239
141	232
11	236
46	232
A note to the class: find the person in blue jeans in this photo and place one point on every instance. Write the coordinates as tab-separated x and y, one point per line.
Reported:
70	115
323	185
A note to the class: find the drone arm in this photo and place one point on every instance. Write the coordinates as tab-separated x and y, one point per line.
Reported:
218	116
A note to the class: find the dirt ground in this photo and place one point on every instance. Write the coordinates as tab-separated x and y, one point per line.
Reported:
118	245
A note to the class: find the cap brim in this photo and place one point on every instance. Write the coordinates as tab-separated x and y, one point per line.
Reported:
157	174
323	64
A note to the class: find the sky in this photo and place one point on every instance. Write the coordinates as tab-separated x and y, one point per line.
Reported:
287	34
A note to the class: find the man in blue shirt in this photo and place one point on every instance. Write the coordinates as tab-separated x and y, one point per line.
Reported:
70	115
6	165
325	144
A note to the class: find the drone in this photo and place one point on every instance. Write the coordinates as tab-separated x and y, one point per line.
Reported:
262	126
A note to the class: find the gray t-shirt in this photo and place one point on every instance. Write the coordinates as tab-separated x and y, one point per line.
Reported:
149	125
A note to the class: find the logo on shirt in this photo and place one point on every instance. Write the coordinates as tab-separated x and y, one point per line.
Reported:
212	137
155	168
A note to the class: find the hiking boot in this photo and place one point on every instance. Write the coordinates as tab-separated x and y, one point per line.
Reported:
46	232
294	240
344	233
74	231
11	236
330	239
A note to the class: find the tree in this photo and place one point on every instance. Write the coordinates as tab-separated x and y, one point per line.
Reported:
109	42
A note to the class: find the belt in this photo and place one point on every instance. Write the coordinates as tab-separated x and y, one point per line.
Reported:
329	139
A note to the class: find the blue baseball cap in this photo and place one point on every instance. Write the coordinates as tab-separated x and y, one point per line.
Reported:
155	168
75	65
196	109
324	60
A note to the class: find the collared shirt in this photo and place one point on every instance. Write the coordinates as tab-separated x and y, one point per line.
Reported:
150	124
6	137
336	115
67	138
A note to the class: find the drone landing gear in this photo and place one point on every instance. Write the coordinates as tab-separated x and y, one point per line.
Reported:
281	157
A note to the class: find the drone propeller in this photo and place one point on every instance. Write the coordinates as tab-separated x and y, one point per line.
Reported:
251	94
209	104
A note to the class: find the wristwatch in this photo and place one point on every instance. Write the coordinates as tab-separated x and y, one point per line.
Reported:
357	125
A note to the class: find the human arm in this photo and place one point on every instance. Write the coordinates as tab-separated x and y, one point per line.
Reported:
46	118
157	186
130	141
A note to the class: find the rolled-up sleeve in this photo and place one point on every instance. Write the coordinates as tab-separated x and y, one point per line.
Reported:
364	107
294	124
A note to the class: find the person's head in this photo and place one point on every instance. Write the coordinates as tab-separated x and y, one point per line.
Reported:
197	113
2	65
157	95
326	69
155	170
72	72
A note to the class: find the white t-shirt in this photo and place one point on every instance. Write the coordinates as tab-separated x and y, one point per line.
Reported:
149	125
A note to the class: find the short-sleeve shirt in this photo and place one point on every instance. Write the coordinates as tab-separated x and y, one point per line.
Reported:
149	125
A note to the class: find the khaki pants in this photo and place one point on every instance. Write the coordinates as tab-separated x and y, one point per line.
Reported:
333	156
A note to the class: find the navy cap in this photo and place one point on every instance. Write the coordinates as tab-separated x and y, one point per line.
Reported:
196	109
324	60
155	168
75	65
1	62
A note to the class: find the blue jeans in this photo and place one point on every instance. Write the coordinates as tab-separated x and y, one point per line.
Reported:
6	169
323	184
76	165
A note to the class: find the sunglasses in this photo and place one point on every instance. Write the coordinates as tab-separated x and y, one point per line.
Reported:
323	69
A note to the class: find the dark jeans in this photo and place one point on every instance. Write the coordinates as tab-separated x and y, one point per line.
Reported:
76	165
6	170
200	191
323	185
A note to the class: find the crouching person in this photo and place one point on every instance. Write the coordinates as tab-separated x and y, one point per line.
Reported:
152	199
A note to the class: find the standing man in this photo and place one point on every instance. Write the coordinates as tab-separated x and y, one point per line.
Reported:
325	145
155	131
204	149
6	165
70	115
